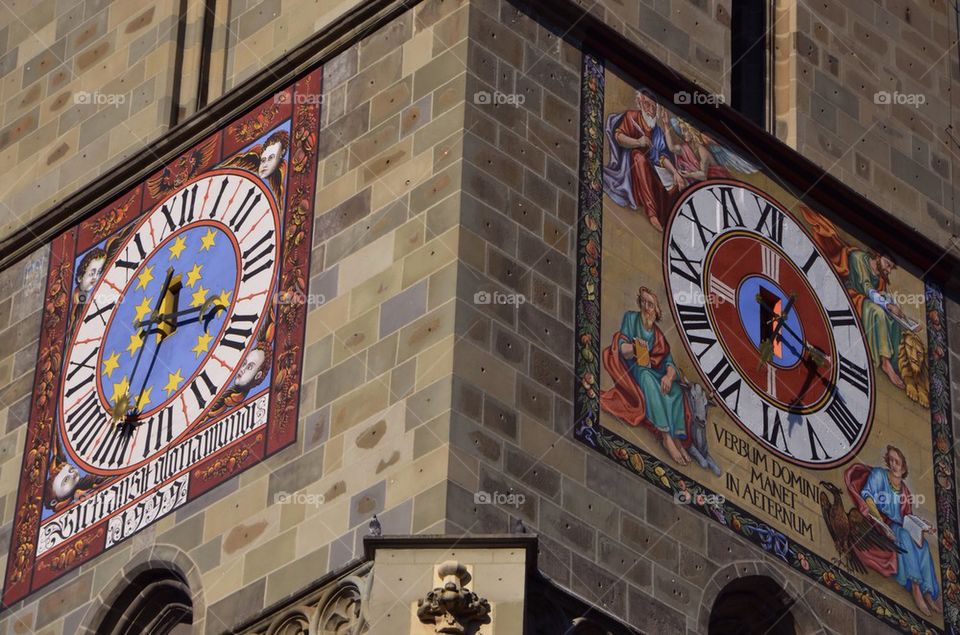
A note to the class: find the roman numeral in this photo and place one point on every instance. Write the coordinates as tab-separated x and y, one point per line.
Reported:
132	264
99	312
807	266
216	203
695	217
202	392
722	373
771	263
841	317
186	216
691	269
81	416
771	381
693	317
771	222
854	375
83	364
171	225
814	442
113	447
235	336
240	216
723	291
773	430
87	380
249	261
730	210
843	419
159	429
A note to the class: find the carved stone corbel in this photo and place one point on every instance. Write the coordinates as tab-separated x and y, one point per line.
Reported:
452	608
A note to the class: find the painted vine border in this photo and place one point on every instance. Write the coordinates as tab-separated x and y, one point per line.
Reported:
662	475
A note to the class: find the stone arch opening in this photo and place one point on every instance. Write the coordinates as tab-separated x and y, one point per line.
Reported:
752	605
156	601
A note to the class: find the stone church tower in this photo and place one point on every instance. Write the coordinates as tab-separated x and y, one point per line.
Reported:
483	317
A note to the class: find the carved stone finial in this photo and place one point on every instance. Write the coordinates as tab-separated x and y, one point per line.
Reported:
452	608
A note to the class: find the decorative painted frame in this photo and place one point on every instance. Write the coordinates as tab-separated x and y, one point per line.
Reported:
662	475
297	105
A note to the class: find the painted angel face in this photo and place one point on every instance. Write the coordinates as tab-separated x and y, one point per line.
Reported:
65	482
92	273
251	368
269	160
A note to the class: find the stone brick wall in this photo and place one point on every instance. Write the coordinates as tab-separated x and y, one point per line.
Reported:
415	395
831	62
626	548
376	391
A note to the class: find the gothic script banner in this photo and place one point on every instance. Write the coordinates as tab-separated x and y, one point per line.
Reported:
172	340
744	354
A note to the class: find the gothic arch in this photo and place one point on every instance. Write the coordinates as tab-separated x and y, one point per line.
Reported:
804	619
160	576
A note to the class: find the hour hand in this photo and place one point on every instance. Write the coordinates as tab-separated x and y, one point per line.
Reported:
206	312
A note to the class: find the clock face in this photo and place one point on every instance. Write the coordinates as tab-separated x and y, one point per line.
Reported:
170	321
768	324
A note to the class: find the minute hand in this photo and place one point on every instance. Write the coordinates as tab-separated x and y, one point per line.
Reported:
207	310
817	355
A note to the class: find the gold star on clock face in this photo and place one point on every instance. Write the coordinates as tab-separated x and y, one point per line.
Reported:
224	298
206	242
177	247
143	309
135	343
173	382
111	363
144	398
203	344
199	296
120	389
193	276
144	278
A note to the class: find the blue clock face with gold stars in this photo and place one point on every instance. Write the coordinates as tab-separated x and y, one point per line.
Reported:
171	321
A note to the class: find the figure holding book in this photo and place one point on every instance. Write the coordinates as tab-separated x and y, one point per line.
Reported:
882	493
647	389
891	335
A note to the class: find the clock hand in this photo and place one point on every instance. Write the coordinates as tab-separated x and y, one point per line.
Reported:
207	311
766	347
121	409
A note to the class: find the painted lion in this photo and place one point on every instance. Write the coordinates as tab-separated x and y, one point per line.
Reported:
912	362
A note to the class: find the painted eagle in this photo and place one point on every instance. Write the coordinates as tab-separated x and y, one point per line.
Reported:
851	530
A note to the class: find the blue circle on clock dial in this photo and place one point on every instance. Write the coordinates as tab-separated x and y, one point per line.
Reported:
205	259
788	349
